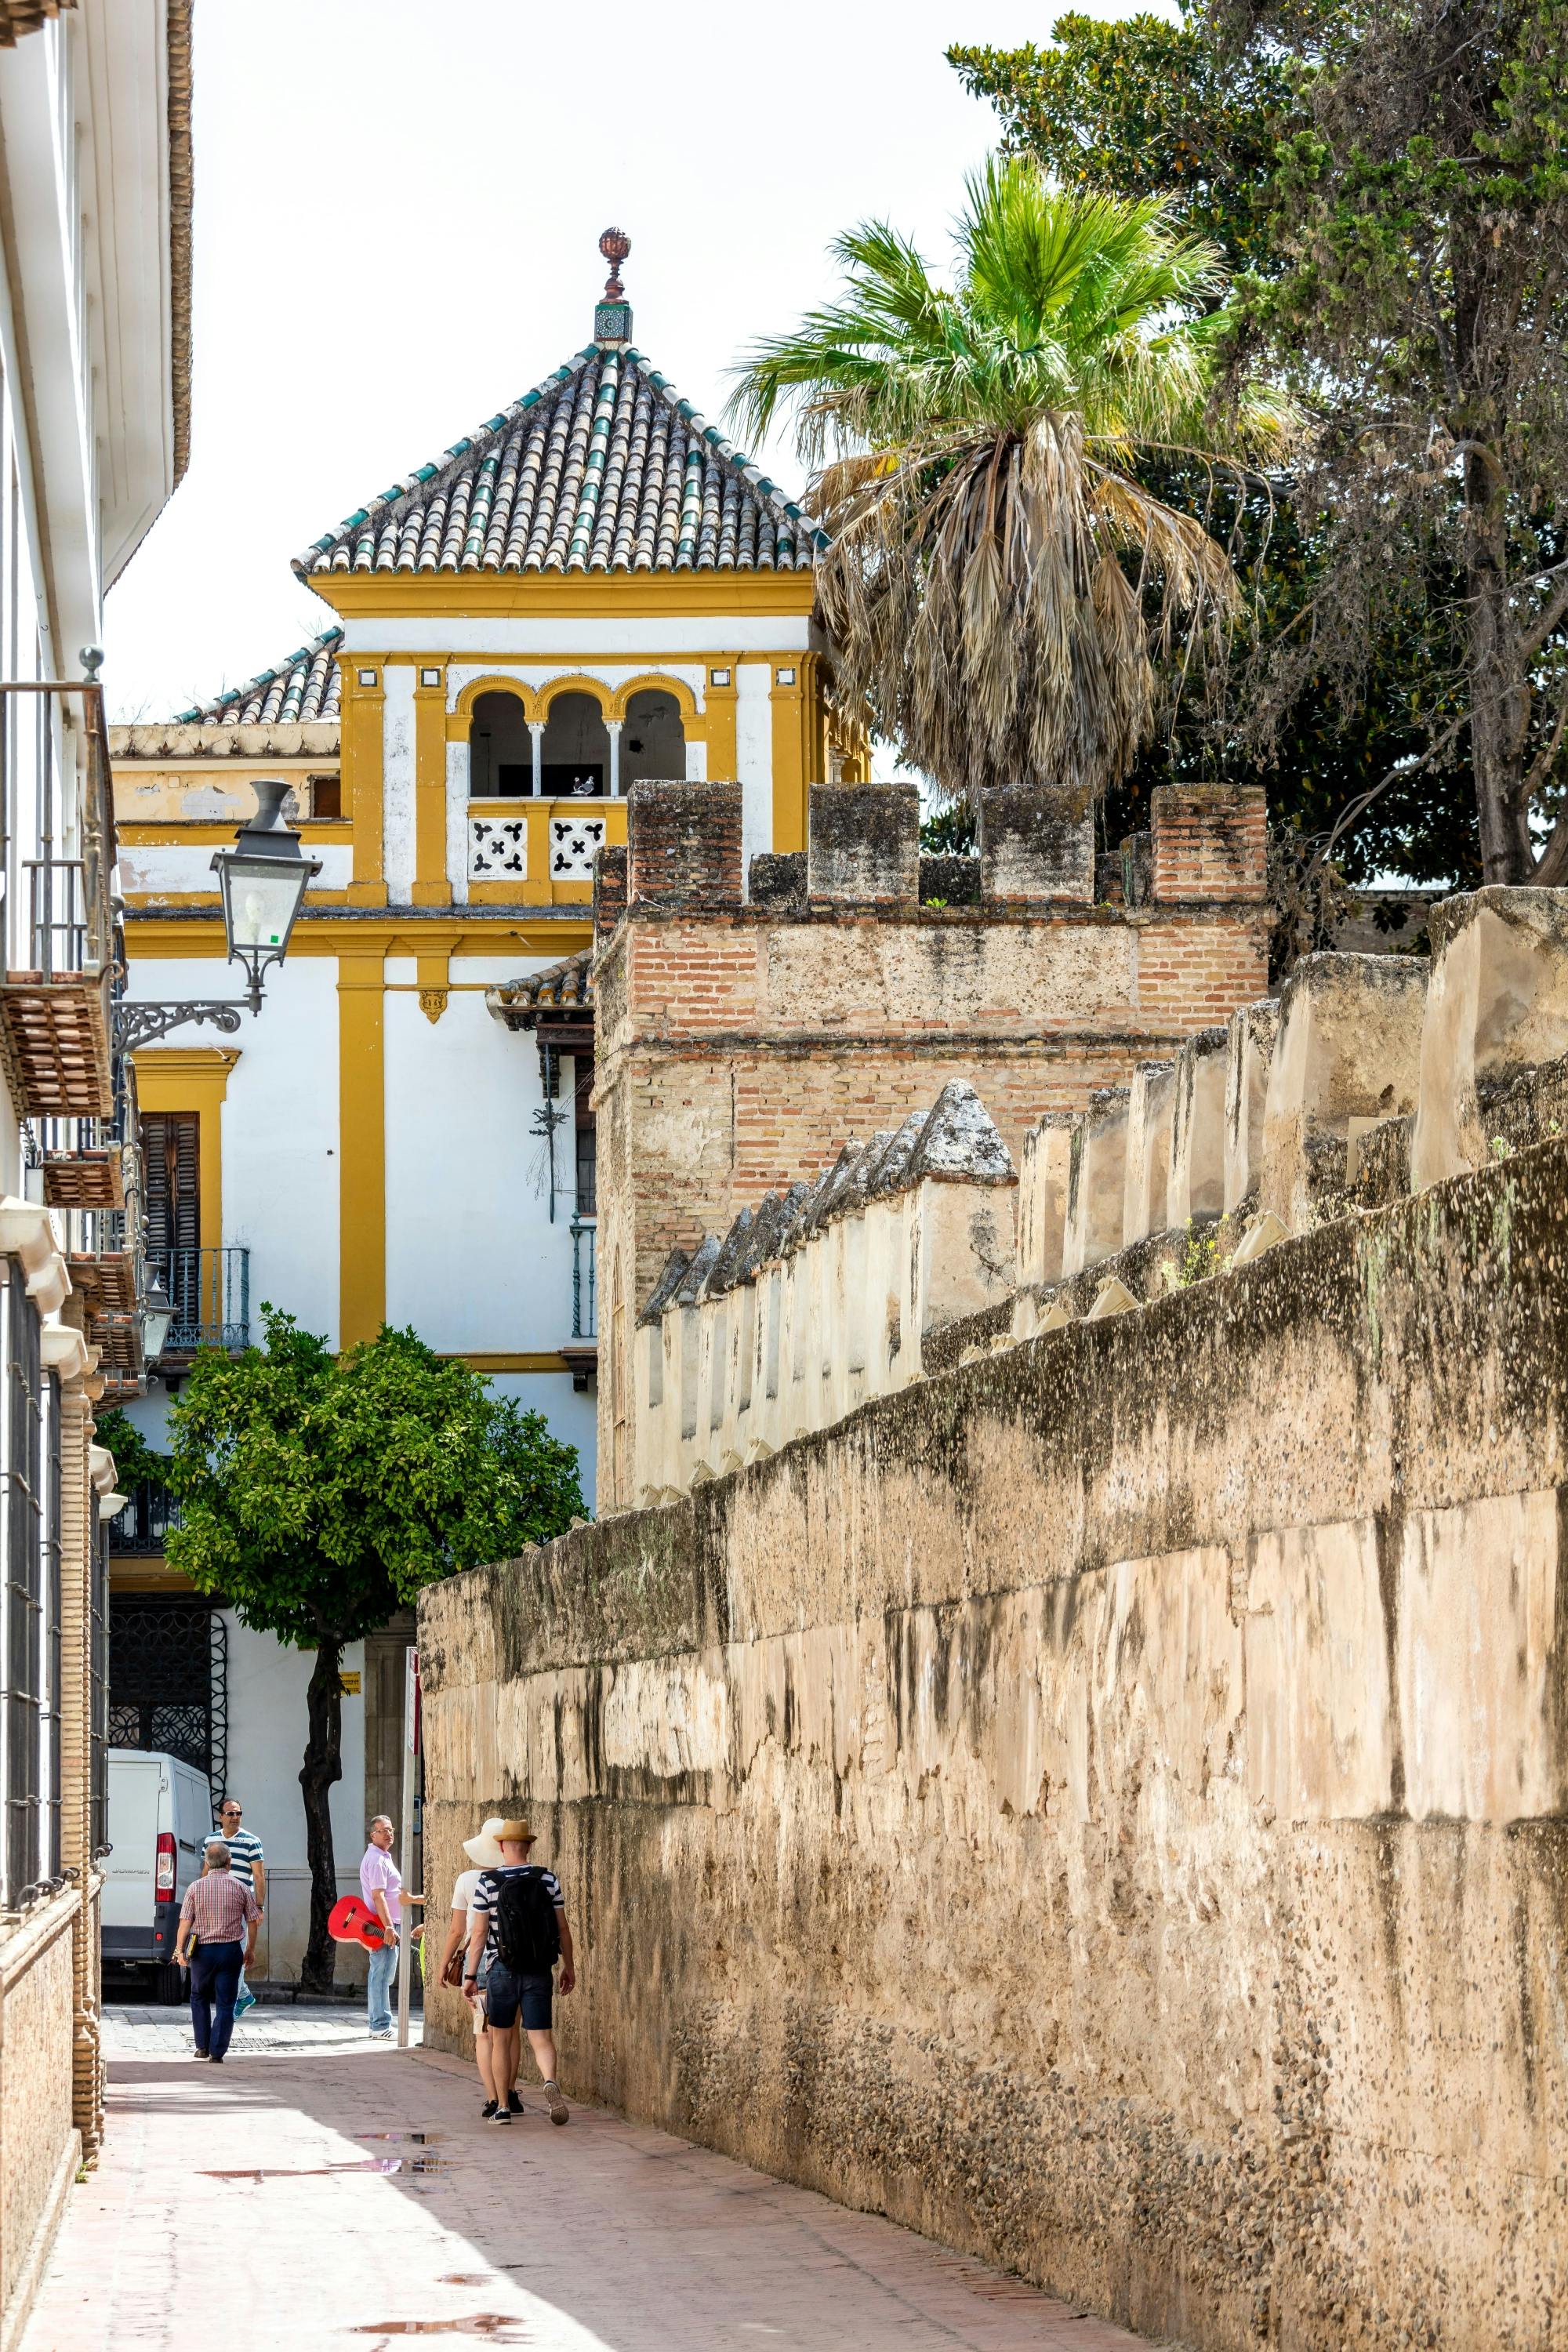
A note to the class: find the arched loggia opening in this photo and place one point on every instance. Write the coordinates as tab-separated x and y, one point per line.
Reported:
501	750
574	756
653	738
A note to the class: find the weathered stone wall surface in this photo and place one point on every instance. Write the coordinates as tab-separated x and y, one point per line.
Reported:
1104	1806
39	2146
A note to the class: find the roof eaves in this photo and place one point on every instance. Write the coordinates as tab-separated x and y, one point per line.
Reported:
328	640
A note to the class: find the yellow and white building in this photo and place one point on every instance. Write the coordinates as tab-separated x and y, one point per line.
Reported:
592	587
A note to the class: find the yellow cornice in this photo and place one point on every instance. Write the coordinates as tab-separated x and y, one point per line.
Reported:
393	934
611	596
185	832
212	1062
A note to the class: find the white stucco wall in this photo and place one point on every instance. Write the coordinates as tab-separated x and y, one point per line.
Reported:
397	794
171	868
280	1126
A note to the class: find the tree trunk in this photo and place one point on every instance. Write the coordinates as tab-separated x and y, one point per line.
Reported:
1498	695
324	1764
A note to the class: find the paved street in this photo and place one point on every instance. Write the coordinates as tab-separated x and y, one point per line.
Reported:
322	2190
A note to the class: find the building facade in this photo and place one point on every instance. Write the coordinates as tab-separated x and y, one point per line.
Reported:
590	590
95	195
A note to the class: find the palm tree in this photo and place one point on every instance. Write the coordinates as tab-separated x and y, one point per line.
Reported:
1002	577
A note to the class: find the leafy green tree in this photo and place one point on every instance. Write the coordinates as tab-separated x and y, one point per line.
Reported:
136	1464
1336	719
1146	108
318	1493
1419	305
1001	574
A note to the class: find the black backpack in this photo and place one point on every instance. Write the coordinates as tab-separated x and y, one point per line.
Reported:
527	1937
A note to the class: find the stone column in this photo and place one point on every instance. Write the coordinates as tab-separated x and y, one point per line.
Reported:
613	729
536	737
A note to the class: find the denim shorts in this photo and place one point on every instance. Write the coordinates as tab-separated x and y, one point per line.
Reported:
505	1994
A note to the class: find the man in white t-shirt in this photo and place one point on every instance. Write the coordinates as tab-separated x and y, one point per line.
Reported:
484	1853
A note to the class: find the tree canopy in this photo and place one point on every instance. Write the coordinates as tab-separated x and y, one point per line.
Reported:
1388	185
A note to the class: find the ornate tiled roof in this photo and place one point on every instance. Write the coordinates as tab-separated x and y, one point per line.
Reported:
603	467
303	689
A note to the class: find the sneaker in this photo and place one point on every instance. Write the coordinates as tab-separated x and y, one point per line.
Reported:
381	2033
487	2111
503	2116
247	2001
514	2102
559	2113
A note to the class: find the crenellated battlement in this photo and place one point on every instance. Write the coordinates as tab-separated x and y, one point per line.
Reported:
750	1015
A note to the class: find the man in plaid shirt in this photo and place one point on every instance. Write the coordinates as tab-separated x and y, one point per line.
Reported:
223	1915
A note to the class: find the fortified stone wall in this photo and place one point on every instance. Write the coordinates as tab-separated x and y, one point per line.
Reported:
741	1035
1103	1805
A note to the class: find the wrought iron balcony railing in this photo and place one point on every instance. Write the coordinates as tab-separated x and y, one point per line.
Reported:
142	1527
585	1279
209	1290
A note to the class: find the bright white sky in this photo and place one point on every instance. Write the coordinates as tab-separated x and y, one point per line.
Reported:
397	213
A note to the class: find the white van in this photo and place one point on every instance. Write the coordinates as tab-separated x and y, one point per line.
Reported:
160	1818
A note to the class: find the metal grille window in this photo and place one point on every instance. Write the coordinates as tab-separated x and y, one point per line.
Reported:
168	1681
25	1652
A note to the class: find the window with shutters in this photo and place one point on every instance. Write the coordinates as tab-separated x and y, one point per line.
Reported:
170	1145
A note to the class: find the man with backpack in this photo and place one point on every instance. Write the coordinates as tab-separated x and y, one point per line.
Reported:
518	1931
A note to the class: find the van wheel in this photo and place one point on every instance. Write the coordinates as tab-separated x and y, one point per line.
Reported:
169	1985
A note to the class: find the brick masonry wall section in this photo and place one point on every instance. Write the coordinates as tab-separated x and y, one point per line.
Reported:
1037	844
1210	841
738	1048
1105	1807
864	843
684	844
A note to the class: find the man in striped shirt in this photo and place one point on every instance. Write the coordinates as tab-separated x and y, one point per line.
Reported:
222	1914
248	1864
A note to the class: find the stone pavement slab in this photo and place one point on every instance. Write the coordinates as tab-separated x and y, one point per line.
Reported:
326	2192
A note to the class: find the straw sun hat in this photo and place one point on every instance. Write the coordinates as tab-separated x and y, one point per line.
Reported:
484	1851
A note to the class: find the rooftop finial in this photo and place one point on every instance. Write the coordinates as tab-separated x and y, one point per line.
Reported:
613	316
615	245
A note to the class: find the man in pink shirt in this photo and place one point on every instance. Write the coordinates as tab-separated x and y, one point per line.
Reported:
380	1884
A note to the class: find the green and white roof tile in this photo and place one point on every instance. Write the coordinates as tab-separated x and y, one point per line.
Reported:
302	690
603	467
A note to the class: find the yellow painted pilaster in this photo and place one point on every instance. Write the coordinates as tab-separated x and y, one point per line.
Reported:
431	887
723	757
364	784
192	1078
361	1143
790	779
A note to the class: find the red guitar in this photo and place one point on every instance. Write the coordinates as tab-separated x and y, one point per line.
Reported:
350	1921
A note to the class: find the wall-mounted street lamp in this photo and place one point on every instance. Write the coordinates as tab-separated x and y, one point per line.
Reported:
261	880
157	1312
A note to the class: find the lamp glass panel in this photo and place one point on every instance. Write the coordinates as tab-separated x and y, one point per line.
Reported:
262	901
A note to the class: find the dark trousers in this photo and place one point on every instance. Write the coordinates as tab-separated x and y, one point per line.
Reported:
214	1983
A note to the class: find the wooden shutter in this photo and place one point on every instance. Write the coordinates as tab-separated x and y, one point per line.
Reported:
170	1144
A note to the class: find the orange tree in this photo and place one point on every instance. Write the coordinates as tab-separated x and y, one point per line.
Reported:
320	1493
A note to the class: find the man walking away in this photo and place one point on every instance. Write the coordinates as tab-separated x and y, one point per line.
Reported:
223	1916
380	1884
518	1931
249	1864
484	1853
